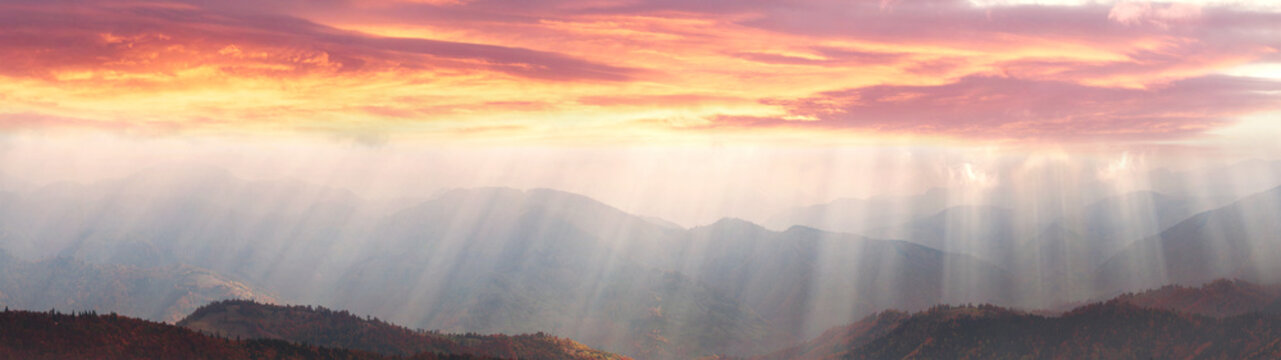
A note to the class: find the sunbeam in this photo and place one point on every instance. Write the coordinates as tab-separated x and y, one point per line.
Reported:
642	179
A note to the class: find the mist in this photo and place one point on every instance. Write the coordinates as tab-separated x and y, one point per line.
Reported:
722	250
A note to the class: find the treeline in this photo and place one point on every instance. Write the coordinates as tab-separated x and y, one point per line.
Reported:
1111	330
341	329
87	335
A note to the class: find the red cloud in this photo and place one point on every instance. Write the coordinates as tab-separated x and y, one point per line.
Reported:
36	40
1061	66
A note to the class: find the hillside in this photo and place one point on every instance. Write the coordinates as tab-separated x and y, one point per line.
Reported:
1220	298
1235	241
1112	330
341	329
51	335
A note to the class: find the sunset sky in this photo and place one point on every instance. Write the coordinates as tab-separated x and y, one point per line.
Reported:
1110	79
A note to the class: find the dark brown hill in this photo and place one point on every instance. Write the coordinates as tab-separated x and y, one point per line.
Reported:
341	329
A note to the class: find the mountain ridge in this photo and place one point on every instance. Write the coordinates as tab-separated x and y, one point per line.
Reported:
319	326
1119	328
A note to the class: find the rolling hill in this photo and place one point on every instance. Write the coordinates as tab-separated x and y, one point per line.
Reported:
239	329
1220	298
1111	330
51	335
340	329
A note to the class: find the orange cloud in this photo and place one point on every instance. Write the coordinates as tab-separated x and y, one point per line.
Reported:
566	71
165	39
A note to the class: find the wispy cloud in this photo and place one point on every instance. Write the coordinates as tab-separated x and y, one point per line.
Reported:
554	69
1010	108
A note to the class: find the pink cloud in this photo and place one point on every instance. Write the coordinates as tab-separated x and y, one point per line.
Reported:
37	39
996	107
1162	15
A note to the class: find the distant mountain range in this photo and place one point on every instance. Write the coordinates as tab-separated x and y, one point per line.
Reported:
1171	195
1115	244
165	293
1242	321
502	260
1240	240
496	260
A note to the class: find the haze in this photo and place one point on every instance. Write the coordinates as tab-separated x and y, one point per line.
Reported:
651	178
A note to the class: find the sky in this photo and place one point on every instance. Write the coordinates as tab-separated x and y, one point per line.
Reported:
796	101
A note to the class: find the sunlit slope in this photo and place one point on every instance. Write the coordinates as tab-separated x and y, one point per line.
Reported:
1239	240
341	329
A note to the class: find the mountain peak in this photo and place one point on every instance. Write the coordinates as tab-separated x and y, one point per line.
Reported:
733	223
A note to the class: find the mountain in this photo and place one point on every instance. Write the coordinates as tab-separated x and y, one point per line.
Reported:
161	294
804	280
1055	245
1135	215
340	329
1239	240
51	335
1111	330
491	260
853	215
502	260
990	233
1077	243
286	235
